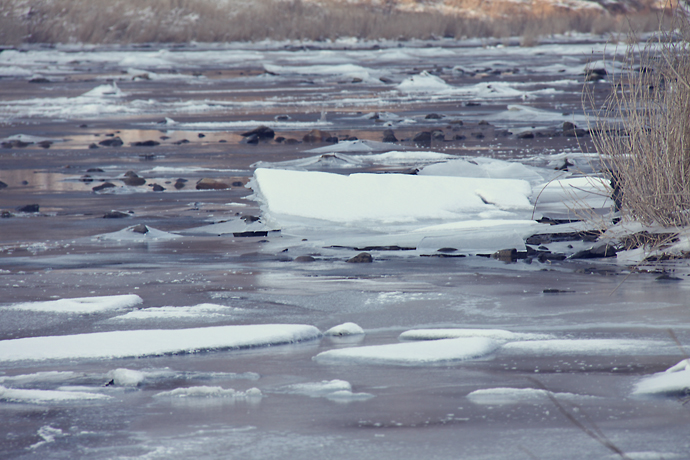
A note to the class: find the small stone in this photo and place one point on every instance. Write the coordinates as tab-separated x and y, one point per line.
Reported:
45	144
422	139
146	144
134	181
103	186
210	184
304	259
252	139
31	208
94	170
433	116
262	133
6	215
93	146
116	215
112	142
389	136
361	258
506	255
525	135
141	228
201	135
179	184
2	185
158	188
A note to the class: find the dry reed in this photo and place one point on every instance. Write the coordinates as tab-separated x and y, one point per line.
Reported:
647	155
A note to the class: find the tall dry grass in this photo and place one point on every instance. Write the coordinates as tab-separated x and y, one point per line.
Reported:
140	21
647	156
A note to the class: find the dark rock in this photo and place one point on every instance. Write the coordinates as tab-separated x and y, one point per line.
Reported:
595	74
146	144
15	143
564	167
116	215
25	182
459	137
112	142
357	80
45	144
103	186
438	135
506	255
315	135
201	135
446	250
331	140
484	123
32	208
2	185
385	80
180	142
134	181
304	259
94	170
361	258
39	80
131	174
571	130
389	136
93	146
290	141
141	228
158	188
6	215
549	257
262	133
667	277
456	122
422	139
556	291
472	104
84	125
86	178
433	116
596	252
279	139
249	234
237	183
211	184
179	184
251	139
526	135
250	219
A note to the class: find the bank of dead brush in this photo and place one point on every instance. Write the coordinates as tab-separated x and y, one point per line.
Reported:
647	155
178	21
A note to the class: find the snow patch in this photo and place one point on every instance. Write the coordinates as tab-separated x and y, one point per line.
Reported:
344	330
81	305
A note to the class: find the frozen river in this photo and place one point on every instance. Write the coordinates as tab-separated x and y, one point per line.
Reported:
150	319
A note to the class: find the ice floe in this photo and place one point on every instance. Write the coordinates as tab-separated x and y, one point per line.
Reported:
586	347
205	310
424	83
496	334
499	396
675	381
47	396
210	392
80	305
345	329
335	390
121	344
413	353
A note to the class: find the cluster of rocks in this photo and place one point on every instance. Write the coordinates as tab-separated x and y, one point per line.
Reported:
19	144
24	209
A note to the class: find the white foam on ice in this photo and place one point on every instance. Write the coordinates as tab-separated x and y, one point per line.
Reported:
47	396
413	353
335	390
585	347
210	392
204	310
674	381
81	305
121	344
496	334
345	329
500	396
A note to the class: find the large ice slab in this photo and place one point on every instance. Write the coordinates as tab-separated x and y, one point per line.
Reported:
585	347
496	334
412	354
81	304
385	198
48	396
122	344
675	381
500	396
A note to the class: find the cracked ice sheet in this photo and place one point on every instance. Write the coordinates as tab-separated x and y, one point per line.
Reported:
122	344
414	353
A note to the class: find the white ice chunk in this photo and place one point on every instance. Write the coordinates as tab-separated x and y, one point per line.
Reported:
345	329
424	83
204	310
585	347
47	396
81	305
496	334
398	197
335	390
499	396
121	344
414	353
109	91
209	392
489	168
126	377
674	381
127	234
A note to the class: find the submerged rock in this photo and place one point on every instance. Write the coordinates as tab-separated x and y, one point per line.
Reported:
211	184
103	186
116	215
141	228
2	185
361	258
112	142
304	259
316	135
422	139
30	208
261	133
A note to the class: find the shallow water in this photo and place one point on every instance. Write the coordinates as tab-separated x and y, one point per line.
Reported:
69	250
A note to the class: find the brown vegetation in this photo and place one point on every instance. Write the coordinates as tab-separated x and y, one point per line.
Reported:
132	21
648	155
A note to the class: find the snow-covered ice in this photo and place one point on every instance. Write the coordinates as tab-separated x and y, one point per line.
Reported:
210	392
674	381
80	305
335	390
345	329
558	347
499	396
205	310
48	396
413	353
497	334
121	344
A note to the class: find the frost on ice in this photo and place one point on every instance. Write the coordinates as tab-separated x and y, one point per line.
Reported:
122	344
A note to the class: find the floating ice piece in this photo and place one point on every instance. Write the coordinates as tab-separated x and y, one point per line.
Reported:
81	305
585	347
204	310
345	329
496	396
209	392
336	390
399	197
39	377
47	396
128	234
126	377
109	91
674	381
496	334
489	168
413	354
121	344
424	83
